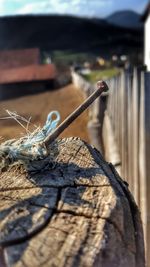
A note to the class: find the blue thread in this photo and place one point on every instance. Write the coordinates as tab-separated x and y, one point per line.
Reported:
48	128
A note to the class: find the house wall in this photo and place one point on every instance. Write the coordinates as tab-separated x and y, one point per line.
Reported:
147	43
28	74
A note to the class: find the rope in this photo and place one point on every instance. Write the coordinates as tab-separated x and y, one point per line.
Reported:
30	147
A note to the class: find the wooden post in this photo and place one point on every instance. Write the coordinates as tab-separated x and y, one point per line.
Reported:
73	210
116	106
120	118
95	124
130	137
144	156
135	133
124	123
118	113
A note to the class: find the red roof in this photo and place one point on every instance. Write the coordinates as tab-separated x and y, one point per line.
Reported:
28	74
19	58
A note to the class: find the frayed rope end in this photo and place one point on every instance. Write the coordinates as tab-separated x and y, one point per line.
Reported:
30	147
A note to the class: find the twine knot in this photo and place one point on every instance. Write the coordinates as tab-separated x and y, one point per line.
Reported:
30	147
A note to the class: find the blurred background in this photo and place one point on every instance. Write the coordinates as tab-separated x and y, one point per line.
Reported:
41	40
52	53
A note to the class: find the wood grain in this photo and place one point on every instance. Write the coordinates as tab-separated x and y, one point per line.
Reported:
77	212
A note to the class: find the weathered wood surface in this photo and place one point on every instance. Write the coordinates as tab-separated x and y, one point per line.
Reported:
76	212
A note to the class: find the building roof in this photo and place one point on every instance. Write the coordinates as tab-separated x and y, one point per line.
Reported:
146	12
28	74
19	58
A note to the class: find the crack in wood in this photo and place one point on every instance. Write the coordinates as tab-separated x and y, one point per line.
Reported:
76	185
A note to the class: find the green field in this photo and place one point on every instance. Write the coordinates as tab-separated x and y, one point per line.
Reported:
68	57
96	75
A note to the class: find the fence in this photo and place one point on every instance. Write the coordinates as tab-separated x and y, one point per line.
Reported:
124	133
128	110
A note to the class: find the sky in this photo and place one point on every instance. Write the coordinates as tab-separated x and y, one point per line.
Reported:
98	8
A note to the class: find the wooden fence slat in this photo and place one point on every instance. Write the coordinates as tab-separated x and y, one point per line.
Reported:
144	156
135	133
124	124
130	136
119	114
